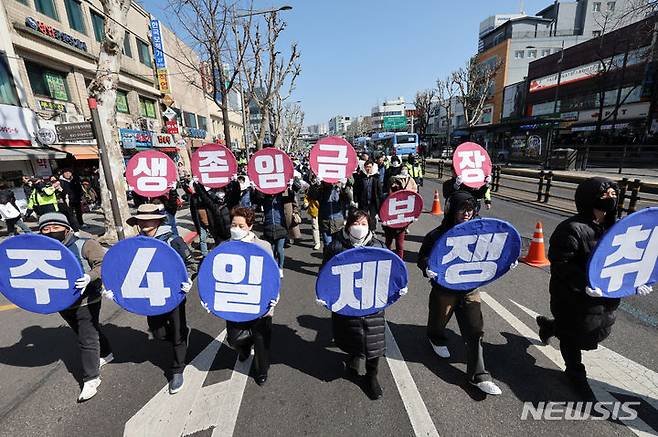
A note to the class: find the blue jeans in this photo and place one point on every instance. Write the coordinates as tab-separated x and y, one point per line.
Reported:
203	240
171	221
326	237
279	251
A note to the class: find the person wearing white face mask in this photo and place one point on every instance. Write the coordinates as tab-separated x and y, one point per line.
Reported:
359	337
242	336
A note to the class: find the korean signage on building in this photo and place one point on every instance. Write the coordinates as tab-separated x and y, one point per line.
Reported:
163	140
55	34
194	132
74	132
17	126
159	57
132	139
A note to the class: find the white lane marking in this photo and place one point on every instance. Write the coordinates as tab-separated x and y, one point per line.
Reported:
604	376
416	410
195	408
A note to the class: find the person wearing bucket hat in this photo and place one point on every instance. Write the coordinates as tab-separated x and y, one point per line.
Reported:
83	315
171	326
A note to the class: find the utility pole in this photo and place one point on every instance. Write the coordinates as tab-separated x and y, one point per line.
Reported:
107	170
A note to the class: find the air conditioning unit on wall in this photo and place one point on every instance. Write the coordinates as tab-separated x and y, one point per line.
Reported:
72	118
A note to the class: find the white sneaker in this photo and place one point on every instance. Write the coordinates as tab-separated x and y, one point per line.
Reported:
280	273
108	359
89	390
441	351
316	247
488	387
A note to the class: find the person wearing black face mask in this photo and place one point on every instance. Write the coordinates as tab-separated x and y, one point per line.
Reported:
83	315
582	317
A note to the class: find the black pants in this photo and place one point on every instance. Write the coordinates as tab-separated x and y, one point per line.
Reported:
372	364
467	309
70	216
258	333
93	344
77	209
172	326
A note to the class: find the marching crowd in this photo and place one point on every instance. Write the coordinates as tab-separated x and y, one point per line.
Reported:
343	215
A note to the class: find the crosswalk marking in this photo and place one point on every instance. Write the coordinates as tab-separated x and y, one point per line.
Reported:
416	410
607	370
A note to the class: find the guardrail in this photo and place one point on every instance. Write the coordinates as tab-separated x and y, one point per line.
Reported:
553	190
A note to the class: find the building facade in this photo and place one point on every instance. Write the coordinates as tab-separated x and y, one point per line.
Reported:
338	125
386	111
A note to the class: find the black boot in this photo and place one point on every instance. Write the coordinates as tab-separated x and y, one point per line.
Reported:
352	368
372	387
546	328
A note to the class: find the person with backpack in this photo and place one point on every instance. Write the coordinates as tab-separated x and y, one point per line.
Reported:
172	326
83	315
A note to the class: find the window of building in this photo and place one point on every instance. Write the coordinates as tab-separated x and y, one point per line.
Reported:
98	21
8	94
519	54
596	33
532	54
22	1
189	119
545	52
146	107
611	6
122	102
203	124
143	52
47	83
74	14
596	6
46	7
127	50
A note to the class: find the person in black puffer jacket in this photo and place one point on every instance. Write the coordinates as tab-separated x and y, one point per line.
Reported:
358	336
582	317
461	206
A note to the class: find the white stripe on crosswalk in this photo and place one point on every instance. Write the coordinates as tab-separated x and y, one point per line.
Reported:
607	370
416	410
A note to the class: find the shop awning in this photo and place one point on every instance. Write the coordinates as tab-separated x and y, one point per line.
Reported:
80	152
27	153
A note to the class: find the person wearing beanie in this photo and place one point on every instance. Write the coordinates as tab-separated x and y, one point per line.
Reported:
172	326
582	317
83	315
460	207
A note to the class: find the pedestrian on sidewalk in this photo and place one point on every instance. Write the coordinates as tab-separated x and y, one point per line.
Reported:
171	326
582	317
72	191
83	315
10	212
460	207
398	235
171	202
359	337
256	334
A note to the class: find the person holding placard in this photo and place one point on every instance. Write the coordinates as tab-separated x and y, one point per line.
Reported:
460	207
170	326
583	317
83	315
359	337
256	334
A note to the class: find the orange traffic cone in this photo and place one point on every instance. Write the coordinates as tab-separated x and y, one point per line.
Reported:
436	205
536	257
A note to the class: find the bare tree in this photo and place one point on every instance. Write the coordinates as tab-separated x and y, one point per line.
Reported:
268	72
446	92
475	82
359	127
104	89
423	103
220	39
292	125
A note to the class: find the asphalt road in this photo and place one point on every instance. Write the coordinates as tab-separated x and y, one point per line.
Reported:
306	393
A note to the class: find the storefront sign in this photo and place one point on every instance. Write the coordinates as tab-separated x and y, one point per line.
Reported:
45	105
172	127
163	80
194	132
168	100
163	140
131	139
46	136
158	48
569	116
55	34
17	126
74	132
169	113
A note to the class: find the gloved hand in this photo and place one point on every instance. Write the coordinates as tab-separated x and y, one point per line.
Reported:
270	308
458	182
430	274
186	286
321	303
487	180
81	283
107	294
205	306
644	290
404	291
593	292
514	265
487	205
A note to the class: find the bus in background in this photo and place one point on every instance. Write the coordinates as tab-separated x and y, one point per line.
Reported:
361	144
395	143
